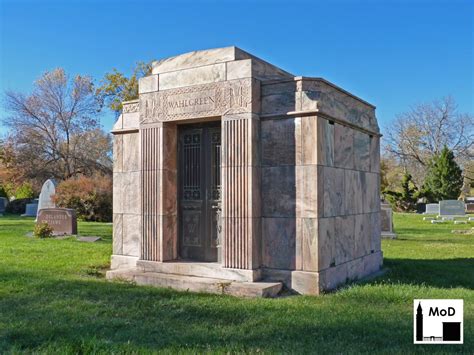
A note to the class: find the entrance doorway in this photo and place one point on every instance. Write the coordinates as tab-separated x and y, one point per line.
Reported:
199	192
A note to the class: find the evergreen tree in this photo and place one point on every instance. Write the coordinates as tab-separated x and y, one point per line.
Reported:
404	200
444	179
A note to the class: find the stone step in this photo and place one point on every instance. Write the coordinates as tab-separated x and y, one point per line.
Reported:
197	284
200	269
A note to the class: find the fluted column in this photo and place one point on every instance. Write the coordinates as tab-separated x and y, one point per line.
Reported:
241	208
159	184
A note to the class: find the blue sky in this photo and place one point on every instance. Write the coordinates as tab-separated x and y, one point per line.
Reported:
391	53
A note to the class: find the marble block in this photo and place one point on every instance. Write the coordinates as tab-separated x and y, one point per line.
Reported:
343	146
278	142
194	76
333	180
307	186
279	242
131	152
279	191
344	238
310	244
117	234
325	142
309	137
326	242
361	151
131	234
148	84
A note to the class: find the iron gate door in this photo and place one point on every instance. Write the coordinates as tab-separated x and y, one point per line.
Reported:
200	192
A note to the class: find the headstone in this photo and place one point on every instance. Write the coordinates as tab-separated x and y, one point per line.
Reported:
451	208
3	205
470	207
62	220
460	222
387	221
428	218
31	210
432	208
436	221
46	196
420	207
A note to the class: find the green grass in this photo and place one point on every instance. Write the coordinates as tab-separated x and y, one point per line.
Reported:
54	299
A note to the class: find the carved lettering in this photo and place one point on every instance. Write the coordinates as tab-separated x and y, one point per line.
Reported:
190	102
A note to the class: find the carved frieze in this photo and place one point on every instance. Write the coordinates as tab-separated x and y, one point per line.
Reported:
215	99
130	107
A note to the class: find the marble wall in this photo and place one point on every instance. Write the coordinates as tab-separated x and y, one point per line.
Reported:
320	193
126	195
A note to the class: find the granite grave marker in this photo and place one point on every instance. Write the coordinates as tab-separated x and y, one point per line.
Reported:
451	208
62	220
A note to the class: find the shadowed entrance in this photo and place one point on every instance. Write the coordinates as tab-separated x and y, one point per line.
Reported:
199	192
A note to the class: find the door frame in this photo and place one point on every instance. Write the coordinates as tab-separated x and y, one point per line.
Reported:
207	158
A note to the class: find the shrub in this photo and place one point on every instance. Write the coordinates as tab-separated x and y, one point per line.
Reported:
25	190
406	199
43	230
3	192
18	206
90	197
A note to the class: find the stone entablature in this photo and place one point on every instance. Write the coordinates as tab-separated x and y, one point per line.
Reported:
194	102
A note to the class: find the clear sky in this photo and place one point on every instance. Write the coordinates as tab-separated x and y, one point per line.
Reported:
391	53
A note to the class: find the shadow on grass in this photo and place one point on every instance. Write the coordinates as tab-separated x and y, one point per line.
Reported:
70	313
46	313
442	273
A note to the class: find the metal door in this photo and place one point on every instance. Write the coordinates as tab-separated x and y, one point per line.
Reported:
200	192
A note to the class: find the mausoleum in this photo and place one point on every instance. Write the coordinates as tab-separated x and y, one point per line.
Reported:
232	175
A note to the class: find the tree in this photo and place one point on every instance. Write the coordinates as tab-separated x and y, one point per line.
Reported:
54	131
444	179
421	133
116	87
404	200
391	173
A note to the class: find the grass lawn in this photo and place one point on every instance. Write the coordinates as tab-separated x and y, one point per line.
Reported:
54	299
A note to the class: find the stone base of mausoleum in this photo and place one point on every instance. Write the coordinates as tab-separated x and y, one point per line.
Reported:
197	283
314	283
265	282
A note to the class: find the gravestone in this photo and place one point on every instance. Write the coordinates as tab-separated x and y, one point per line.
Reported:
469	207
31	210
432	208
451	208
46	196
421	207
62	220
3	205
387	221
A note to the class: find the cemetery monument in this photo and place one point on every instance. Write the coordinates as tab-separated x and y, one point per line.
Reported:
232	175
46	195
62	220
386	217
